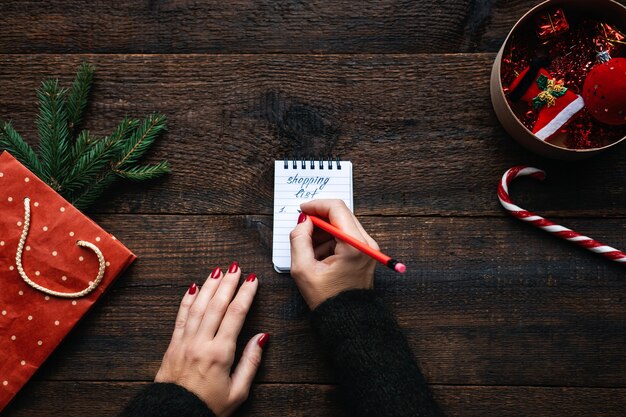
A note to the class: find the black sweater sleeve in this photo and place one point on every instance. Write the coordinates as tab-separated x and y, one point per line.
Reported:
166	400
376	371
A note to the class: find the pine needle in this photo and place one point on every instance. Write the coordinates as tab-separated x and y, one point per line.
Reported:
145	172
88	166
83	142
92	156
140	141
76	102
54	135
123	132
12	142
93	192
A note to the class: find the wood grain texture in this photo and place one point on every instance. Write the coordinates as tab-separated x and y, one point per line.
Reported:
294	26
107	398
506	307
504	320
419	129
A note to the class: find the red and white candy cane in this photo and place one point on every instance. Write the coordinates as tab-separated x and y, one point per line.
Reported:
545	224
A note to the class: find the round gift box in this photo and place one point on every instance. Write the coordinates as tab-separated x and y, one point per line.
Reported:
609	9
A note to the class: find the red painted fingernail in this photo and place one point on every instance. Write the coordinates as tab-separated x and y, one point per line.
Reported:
301	218
193	288
233	267
216	273
263	340
251	278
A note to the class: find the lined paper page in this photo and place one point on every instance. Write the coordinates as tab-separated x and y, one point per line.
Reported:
294	186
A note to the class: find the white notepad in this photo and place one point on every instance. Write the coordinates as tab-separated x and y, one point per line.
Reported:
296	182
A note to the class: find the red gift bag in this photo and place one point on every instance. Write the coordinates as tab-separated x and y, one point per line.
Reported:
54	264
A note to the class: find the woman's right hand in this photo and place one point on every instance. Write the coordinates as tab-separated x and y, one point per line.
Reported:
323	266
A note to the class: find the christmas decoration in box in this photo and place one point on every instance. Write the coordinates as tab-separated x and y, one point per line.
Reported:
54	261
555	104
558	51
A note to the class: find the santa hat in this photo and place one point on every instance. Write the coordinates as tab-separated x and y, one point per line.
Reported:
557	105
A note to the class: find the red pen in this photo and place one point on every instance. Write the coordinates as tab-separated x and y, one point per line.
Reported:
363	247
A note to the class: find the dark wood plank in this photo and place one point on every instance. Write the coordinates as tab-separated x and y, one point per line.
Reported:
320	26
107	398
419	129
485	302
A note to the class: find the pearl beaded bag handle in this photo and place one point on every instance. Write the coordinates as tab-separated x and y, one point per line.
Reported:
20	268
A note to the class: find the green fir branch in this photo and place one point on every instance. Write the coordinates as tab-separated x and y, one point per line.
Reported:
140	141
76	101
83	142
94	191
83	169
122	132
12	142
145	172
88	166
93	156
54	145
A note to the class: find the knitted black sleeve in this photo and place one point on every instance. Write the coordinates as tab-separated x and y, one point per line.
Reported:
166	400
376	371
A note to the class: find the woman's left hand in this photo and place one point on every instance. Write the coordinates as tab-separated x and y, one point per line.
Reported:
201	353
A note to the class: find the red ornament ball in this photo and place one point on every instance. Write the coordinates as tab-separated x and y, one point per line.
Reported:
604	92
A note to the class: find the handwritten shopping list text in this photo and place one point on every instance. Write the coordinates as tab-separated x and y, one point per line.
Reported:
308	187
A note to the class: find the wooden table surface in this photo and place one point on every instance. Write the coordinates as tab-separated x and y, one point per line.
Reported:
504	319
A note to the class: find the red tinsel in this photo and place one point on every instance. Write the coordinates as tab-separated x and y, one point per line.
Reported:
586	133
514	61
573	56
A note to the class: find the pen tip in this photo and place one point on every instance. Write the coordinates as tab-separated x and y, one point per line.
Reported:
401	268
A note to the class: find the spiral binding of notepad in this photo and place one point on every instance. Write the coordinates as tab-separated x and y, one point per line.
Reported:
330	161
